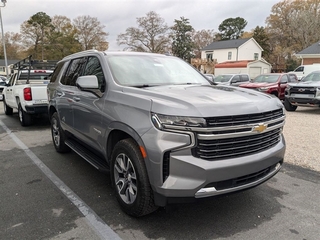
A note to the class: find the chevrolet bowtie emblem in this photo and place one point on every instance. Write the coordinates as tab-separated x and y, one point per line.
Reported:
260	128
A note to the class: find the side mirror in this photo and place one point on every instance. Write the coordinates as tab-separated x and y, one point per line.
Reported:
89	82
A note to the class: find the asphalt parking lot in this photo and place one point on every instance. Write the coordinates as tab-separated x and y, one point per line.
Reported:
46	195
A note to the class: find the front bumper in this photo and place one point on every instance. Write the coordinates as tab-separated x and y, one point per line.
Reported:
189	177
305	102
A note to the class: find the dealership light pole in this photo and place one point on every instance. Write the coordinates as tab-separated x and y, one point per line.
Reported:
3	40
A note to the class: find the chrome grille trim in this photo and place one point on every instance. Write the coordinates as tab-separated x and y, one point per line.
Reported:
237	134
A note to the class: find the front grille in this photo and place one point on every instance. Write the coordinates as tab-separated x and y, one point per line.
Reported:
302	90
236	147
235	136
244	119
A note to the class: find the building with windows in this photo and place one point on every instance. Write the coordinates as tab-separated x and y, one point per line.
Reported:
3	66
310	55
231	55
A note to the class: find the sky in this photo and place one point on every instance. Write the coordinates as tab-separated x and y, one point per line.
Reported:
118	15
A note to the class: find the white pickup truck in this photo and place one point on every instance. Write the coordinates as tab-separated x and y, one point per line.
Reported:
26	91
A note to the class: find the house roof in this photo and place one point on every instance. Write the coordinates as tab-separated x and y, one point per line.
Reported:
233	64
240	64
313	49
2	62
225	44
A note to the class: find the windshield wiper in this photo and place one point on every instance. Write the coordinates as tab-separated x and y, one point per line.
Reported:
144	86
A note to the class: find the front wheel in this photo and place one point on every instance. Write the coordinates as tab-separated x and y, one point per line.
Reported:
58	135
130	179
24	118
288	106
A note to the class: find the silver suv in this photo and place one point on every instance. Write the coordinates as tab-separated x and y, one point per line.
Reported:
164	132
232	79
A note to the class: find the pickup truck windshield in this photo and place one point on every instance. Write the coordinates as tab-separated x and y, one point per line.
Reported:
266	79
223	78
140	70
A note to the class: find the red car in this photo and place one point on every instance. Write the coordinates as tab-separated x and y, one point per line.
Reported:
272	83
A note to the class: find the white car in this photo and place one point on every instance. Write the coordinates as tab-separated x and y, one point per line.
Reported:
2	85
232	79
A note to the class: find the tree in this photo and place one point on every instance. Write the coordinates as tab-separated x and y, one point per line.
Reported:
202	39
151	35
260	35
182	44
292	26
62	39
13	46
90	33
232	28
34	32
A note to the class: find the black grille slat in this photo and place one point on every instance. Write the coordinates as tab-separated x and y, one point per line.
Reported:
250	143
239	153
244	119
307	90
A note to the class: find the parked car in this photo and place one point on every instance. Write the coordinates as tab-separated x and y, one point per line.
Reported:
165	133
304	70
26	92
210	77
3	78
305	93
272	83
2	86
232	79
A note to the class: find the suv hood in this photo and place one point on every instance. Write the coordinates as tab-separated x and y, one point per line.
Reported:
305	84
257	85
202	100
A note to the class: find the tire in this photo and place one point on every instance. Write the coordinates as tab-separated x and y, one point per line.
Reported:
7	110
24	118
58	135
288	106
130	179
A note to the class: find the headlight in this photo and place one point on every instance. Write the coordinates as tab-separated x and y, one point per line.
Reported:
263	88
176	122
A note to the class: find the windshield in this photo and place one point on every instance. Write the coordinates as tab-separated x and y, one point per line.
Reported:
313	77
223	78
266	78
144	71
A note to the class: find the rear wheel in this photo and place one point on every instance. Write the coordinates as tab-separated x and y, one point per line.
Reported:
24	118
7	110
58	135
288	106
130	179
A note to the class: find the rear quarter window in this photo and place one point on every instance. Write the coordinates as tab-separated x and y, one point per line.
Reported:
56	72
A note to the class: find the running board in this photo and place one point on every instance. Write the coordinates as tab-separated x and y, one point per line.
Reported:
94	160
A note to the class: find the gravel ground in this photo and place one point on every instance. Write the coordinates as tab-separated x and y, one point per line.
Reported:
302	134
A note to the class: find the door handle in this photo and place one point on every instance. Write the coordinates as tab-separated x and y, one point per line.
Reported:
77	99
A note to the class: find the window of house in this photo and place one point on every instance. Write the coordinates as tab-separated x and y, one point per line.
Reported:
256	56
229	55
209	56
